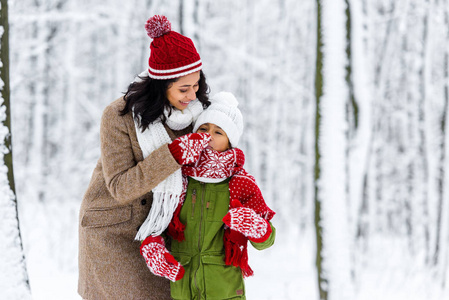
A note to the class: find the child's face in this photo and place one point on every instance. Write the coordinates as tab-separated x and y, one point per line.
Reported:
219	139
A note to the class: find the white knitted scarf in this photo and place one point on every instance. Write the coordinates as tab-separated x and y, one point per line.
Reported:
166	195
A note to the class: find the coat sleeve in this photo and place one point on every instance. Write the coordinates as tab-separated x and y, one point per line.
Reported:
125	179
269	242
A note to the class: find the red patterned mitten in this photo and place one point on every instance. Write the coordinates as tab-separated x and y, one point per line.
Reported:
159	260
249	223
187	148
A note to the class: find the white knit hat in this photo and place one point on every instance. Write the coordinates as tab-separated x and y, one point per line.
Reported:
224	113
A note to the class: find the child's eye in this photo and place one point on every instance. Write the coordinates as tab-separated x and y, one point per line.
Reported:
201	129
219	132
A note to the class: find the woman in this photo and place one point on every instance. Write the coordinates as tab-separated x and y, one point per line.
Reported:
137	159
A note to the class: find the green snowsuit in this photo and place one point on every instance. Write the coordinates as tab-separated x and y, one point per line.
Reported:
202	251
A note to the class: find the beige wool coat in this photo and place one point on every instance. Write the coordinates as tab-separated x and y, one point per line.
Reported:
115	204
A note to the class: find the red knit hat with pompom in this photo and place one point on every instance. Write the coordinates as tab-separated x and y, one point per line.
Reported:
172	54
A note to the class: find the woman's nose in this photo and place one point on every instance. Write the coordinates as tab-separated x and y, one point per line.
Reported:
191	94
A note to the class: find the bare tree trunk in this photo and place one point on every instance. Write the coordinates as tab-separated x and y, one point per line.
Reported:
440	239
425	135
333	96
14	282
352	119
322	280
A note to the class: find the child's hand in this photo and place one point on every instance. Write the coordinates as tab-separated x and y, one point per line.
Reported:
159	260
187	148
249	223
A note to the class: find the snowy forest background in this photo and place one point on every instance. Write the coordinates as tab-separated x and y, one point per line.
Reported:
345	105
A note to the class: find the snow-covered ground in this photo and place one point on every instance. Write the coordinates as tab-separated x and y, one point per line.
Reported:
48	283
283	272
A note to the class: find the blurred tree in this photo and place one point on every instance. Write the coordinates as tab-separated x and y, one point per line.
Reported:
336	121
13	275
322	282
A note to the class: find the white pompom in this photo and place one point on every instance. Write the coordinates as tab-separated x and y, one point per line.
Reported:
226	98
157	26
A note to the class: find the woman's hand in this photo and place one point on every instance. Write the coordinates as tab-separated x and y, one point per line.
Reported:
159	260
187	148
249	223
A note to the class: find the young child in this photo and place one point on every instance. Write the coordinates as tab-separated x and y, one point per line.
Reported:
221	209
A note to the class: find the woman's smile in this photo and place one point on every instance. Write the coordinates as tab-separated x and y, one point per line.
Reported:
185	88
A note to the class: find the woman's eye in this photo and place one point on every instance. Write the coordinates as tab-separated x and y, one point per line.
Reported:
183	91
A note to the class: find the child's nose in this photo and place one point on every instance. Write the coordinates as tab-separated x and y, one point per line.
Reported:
211	135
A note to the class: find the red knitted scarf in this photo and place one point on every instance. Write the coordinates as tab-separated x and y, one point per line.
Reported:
213	165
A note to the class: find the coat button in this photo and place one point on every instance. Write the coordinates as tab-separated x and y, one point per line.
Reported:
143	202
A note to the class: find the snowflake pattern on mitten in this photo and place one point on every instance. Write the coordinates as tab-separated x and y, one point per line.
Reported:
187	148
159	260
248	222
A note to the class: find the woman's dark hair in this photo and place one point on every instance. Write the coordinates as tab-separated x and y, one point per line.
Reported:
148	98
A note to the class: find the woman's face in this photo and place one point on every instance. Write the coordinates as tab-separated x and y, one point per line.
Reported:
219	139
182	91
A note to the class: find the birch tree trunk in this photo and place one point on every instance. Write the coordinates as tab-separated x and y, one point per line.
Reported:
332	210
13	275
